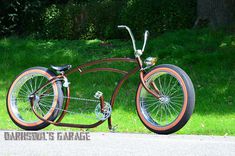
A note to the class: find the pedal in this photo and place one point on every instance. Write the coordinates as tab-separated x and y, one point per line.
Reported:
98	94
113	129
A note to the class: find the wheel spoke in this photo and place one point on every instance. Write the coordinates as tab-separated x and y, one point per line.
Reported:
40	83
168	109
159	81
28	90
173	87
39	108
24	91
169	84
31	84
45	106
150	105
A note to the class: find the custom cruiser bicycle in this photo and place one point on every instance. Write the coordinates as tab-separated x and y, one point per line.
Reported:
165	95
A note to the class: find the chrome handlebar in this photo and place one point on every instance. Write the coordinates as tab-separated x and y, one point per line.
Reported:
146	34
130	33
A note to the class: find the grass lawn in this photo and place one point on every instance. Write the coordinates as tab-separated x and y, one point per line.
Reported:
208	56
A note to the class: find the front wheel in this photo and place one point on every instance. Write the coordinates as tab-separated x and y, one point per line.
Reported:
173	109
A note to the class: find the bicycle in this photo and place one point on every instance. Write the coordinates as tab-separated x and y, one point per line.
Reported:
165	96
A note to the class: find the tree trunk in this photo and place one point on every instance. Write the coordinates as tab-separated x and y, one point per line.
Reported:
216	12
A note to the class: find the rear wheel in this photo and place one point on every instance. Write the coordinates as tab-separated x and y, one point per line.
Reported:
173	109
48	100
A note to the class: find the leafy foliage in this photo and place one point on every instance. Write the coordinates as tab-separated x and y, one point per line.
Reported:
87	19
19	16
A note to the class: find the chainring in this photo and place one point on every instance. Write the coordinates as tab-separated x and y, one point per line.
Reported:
107	110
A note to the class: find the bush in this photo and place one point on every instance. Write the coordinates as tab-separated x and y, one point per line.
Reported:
159	16
93	19
88	19
18	16
57	23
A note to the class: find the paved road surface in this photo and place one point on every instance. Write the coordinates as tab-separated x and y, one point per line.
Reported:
124	144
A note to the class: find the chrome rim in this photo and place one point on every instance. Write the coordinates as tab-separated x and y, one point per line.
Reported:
20	97
165	110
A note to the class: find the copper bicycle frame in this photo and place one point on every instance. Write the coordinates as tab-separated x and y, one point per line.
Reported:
81	69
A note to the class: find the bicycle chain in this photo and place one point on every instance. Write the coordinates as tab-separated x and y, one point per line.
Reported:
76	98
73	98
69	111
82	99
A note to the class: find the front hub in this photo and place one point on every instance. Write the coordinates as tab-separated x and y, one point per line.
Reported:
34	99
165	99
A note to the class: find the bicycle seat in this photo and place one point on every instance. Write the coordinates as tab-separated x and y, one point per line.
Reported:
61	68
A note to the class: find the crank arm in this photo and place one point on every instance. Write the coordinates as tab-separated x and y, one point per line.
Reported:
102	104
99	95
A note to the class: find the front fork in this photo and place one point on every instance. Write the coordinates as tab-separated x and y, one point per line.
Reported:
156	93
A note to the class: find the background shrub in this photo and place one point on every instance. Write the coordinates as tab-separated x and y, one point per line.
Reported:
159	16
57	22
88	19
19	16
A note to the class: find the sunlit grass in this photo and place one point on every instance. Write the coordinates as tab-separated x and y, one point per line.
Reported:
206	55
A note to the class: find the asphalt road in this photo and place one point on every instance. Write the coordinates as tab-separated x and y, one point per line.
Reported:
122	144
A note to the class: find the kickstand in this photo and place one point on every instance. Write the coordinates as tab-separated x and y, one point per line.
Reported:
113	129
110	126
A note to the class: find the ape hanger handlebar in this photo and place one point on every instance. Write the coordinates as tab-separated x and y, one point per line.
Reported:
138	52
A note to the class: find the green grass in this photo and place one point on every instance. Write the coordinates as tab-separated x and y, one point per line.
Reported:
206	55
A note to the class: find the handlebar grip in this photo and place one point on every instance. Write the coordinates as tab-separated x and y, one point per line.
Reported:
146	33
121	26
